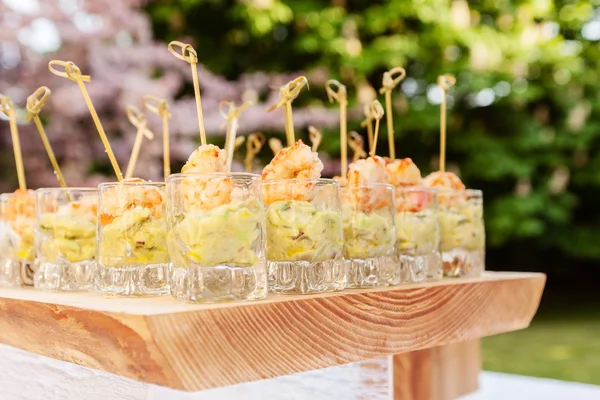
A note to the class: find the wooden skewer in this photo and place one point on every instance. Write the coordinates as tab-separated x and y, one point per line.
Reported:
389	83
315	137
357	144
188	54
137	119
72	72
368	123
341	96
275	145
239	141
445	81
253	146
35	103
161	107
287	94
231	122
377	112
8	108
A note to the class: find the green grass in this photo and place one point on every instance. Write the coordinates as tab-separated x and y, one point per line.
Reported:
560	345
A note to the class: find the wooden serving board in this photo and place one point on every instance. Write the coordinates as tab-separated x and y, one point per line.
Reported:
195	347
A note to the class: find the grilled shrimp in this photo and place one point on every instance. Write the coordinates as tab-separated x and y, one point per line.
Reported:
449	187
360	174
295	162
124	197
206	159
404	172
443	181
206	193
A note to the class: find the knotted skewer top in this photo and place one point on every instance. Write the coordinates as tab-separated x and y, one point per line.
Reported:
70	70
36	101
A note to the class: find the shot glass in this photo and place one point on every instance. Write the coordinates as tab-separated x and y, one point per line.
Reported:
216	237
65	238
305	236
370	235
418	230
17	252
131	250
462	233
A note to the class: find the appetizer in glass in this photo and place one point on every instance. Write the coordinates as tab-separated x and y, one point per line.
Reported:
65	238
305	239
16	238
131	251
416	223
369	231
461	224
216	237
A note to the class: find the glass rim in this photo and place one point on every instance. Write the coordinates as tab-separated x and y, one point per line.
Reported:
472	192
62	189
212	174
322	181
125	183
371	185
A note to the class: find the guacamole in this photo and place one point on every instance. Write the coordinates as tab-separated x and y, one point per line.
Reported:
367	234
227	234
297	231
418	232
462	227
133	238
72	237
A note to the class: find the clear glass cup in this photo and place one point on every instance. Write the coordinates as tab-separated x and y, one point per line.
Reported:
462	233
370	235
131	252
65	238
305	236
418	230
17	252
216	237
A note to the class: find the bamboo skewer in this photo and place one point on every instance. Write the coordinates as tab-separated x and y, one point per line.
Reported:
231	122
72	72
287	94
137	119
357	144
341	96
35	103
189	55
161	107
7	107
377	113
445	82
253	146
368	123
389	83
275	145
239	141
315	137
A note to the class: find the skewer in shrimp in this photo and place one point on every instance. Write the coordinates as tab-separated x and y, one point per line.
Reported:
404	172
294	162
205	159
125	197
363	172
207	193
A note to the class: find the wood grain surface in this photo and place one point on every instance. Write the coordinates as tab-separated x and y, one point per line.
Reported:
196	347
440	373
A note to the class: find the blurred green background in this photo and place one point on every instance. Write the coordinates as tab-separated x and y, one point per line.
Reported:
524	117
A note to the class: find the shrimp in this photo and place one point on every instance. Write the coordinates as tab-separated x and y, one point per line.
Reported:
362	173
449	187
206	193
404	172
295	162
444	181
206	159
120	198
